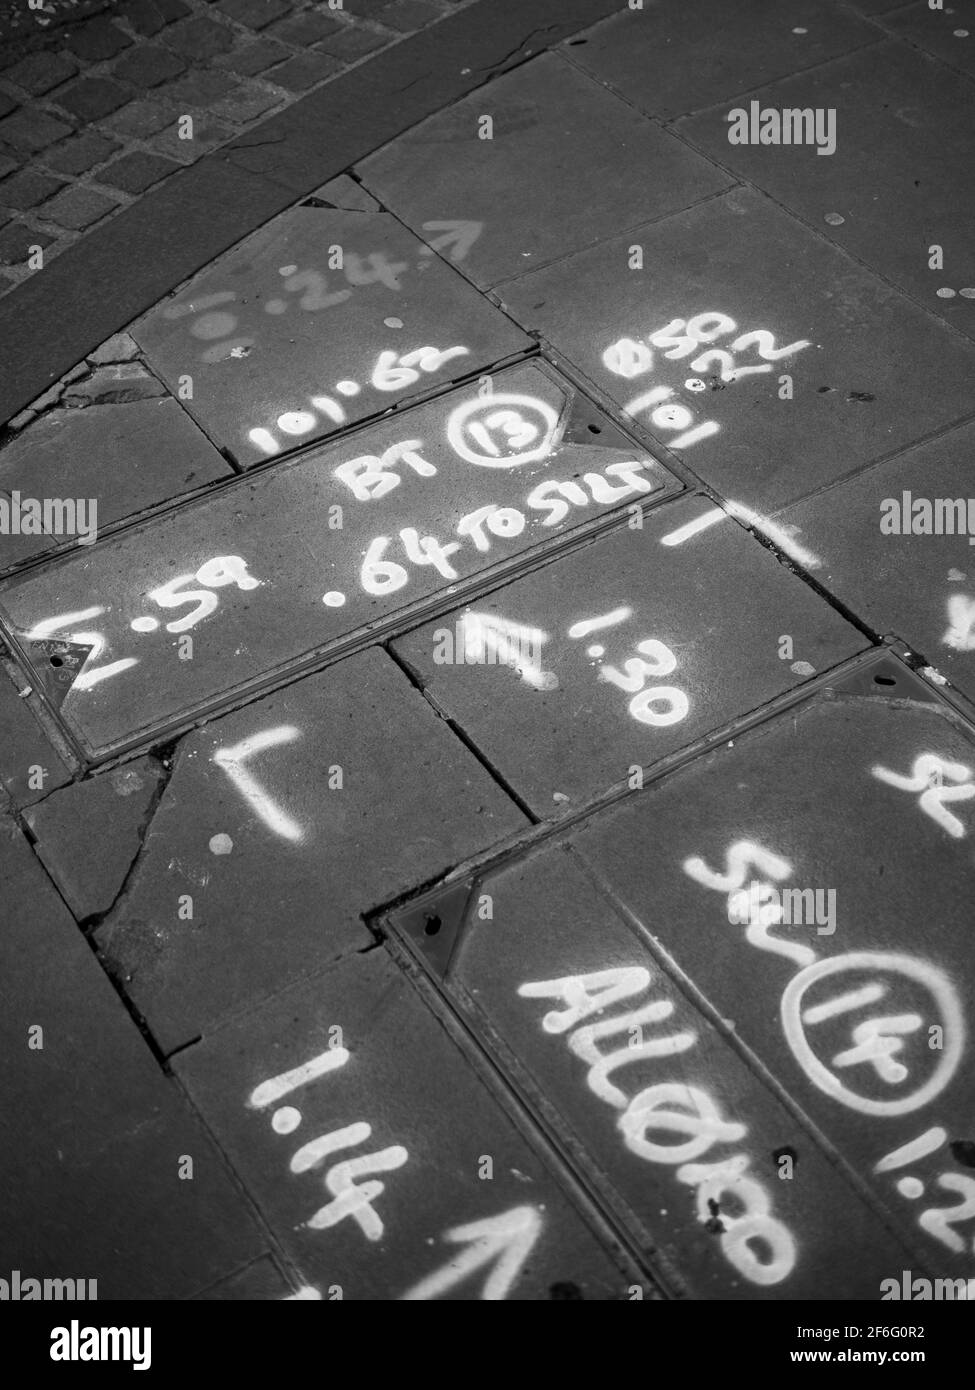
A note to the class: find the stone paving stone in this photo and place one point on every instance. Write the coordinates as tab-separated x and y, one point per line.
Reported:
112	385
206	132
88	835
344	192
899	176
554	129
679	55
27	755
7	104
123	457
198	88
27	189
30	131
919	587
870	372
575	708
948	33
275	338
256	14
79	207
119	348
405	1235
41	72
136	172
249	59
16	241
244	107
306	29
840	994
81	153
201	38
542	964
141	119
303	71
308	581
144	17
147	66
96	40
91	98
264	815
352	43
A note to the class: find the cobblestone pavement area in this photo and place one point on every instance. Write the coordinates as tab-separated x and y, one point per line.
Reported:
487	707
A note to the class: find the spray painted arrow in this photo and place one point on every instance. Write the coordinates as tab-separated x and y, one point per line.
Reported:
498	641
461	236
502	1241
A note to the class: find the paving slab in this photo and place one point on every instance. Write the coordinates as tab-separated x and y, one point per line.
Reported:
432	1192
537	189
674	56
594	1028
91	1132
898	177
947	33
902	558
260	1282
304	328
280	825
766	308
624	652
88	835
301	556
30	765
841	959
106	463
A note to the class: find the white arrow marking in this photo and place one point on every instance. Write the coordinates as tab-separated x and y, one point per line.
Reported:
495	640
460	235
502	1241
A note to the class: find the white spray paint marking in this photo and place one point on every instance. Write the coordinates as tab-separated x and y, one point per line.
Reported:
329	407
313	1153
52	625
938	1221
699	432
503	1242
777	534
877	1042
961	617
517	428
459	235
738	858
586	994
349	1199
652	397
913	1152
231	761
583	1044
277	1087
264	440
843	1003
674	1107
590	625
927	776
948	1015
221	844
306	1294
487	638
695	527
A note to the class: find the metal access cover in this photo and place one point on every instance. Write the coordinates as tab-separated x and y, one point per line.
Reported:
814	882
724	1186
322	318
222	592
